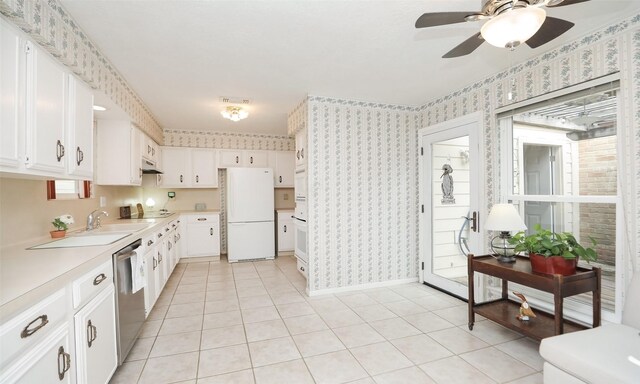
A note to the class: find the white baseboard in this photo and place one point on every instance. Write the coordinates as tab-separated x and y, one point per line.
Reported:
380	284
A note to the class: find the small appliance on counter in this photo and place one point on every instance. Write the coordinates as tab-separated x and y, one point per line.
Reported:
125	212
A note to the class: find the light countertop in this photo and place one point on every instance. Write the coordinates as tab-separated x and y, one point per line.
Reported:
29	275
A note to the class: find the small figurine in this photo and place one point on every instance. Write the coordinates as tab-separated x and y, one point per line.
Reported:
447	185
525	310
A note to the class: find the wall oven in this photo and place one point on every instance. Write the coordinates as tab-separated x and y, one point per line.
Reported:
300	237
300	185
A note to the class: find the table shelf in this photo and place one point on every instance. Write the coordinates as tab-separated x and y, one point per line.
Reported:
504	312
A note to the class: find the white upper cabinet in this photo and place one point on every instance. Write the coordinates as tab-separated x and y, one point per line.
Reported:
119	161
46	114
80	129
283	164
188	168
46	97
230	158
256	159
150	149
10	55
301	151
175	164
204	172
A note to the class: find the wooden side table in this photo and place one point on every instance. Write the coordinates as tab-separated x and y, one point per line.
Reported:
504	311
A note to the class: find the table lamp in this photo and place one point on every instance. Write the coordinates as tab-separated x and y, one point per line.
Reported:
504	218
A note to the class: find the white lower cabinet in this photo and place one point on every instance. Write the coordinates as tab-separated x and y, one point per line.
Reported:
203	235
48	362
151	274
95	337
285	231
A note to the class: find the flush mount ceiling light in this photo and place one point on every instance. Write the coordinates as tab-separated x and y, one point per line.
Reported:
513	27
234	113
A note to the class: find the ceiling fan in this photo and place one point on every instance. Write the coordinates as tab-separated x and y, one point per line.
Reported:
509	24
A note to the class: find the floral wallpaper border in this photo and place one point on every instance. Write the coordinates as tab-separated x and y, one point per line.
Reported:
52	28
228	140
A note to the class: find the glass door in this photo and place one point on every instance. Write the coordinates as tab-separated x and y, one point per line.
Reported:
450	176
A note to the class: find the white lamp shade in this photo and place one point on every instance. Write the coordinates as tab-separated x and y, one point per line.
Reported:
513	27
150	203
504	217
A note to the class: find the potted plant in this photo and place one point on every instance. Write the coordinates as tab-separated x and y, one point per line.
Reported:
553	253
61	224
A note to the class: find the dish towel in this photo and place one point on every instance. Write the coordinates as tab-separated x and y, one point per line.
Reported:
138	280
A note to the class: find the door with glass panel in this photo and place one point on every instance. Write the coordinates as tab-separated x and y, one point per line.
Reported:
450	196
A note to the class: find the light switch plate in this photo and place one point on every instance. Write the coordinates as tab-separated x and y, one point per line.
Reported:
103	201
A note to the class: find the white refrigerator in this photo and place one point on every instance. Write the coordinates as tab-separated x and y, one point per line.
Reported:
250	214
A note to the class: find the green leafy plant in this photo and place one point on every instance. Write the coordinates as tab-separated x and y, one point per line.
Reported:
61	223
547	243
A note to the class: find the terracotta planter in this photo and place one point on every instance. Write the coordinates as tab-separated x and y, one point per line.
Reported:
57	234
553	265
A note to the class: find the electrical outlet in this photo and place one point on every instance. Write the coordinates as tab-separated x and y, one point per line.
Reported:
285	196
171	195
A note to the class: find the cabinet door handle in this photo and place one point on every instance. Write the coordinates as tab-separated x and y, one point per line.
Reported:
169	245
79	155
59	150
181	178
280	178
298	154
197	179
26	332
251	159
302	153
155	263
64	360
237	159
149	243
148	149
211	231
92	333
475	222
285	229
159	257
202	219
99	279
153	151
159	235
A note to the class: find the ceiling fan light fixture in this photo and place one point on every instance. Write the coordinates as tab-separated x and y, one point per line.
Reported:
513	27
234	113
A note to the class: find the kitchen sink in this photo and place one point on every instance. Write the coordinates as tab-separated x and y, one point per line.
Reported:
107	228
87	239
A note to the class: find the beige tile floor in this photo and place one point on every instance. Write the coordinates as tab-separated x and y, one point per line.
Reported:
251	322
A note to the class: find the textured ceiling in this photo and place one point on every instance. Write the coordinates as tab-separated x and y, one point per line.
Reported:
182	56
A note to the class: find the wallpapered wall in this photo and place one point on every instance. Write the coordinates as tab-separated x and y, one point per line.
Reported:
52	28
228	140
363	157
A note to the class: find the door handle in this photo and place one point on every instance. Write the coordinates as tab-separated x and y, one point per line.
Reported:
475	222
280	179
64	359
285	228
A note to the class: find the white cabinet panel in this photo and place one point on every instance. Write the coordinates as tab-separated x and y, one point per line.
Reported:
204	172
175	164
119	161
95	337
80	129
230	158
48	362
11	50
255	159
285	231
284	171
301	151
45	118
203	235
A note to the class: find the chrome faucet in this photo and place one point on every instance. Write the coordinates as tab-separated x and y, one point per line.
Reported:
93	220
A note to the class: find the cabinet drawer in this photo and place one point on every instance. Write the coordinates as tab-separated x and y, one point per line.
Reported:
203	219
32	325
302	267
91	283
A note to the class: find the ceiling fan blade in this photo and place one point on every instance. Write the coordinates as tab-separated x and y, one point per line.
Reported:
466	47
567	2
550	29
441	18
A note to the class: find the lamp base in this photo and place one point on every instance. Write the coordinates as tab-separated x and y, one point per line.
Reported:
502	250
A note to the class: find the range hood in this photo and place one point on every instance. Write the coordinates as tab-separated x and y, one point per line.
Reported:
149	167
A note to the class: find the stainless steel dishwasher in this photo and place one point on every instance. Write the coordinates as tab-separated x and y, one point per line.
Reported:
129	306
